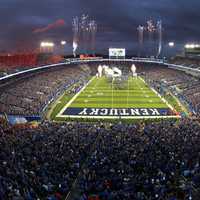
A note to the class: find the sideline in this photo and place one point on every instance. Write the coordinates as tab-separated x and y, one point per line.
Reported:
74	97
119	117
162	98
53	105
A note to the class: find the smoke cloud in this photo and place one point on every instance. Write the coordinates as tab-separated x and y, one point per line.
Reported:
56	24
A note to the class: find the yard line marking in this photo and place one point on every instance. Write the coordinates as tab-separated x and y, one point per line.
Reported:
162	98
98	82
74	97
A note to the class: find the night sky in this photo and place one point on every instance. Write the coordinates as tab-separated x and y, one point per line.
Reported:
24	23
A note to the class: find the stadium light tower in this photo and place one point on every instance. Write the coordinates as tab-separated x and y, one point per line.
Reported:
63	43
47	46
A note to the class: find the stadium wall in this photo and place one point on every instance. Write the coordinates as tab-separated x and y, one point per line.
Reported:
9	79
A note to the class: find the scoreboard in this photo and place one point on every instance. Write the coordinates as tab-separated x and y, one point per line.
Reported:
117	53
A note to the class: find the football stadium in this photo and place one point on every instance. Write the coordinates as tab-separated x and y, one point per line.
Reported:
98	102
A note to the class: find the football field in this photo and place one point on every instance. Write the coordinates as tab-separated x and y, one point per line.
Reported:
103	98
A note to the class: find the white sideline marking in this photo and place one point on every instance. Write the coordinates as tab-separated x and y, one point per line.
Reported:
73	98
163	99
121	117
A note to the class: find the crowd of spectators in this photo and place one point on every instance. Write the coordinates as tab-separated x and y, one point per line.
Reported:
154	161
141	161
30	96
16	62
186	61
4	71
185	86
42	162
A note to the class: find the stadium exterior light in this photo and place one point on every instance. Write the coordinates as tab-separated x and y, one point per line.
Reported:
188	46
171	44
47	44
192	46
42	44
63	42
51	44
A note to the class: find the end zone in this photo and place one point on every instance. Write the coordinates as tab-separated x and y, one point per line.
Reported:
115	113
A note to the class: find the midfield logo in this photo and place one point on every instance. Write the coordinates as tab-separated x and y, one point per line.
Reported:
116	111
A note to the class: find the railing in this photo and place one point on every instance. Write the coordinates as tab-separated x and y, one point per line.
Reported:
31	70
182	67
148	59
77	61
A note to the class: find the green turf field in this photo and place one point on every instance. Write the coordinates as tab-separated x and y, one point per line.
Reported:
103	98
102	94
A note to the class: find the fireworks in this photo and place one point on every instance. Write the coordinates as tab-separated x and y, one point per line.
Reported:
93	30
75	46
140	38
84	31
151	28
75	28
159	30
